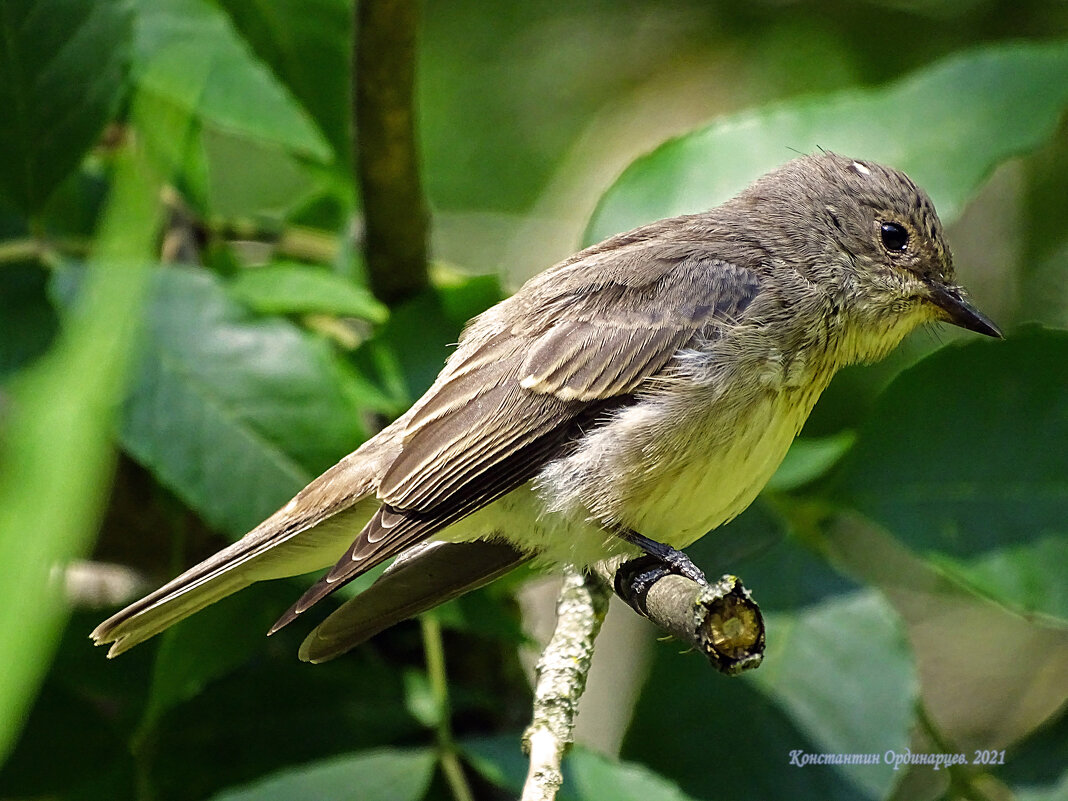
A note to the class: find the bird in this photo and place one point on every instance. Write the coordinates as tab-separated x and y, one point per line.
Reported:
632	398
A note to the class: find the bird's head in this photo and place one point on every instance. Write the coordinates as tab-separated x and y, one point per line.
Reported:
871	236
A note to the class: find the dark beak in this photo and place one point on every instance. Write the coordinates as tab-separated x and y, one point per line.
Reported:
960	311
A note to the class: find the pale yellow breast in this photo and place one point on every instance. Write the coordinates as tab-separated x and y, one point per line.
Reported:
716	478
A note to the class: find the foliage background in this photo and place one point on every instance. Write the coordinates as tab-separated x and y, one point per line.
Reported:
171	372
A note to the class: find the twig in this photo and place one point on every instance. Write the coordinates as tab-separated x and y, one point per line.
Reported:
439	686
720	619
387	155
561	678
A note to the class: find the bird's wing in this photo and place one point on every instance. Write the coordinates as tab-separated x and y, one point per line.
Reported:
422	577
528	376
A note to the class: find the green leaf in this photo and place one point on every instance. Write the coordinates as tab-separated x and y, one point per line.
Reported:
808	459
62	73
758	548
56	448
189	55
292	288
274	713
283	33
588	776
595	777
27	320
212	644
386	774
985	668
1029	577
964	457
237	176
947	125
235	413
843	672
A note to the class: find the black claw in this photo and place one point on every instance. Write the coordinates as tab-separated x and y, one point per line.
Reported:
635	578
674	559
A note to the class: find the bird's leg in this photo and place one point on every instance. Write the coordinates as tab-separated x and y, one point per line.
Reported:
671	559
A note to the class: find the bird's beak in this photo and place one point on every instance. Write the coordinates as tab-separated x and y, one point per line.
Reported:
959	310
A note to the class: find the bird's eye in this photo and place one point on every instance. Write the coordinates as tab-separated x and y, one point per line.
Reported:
894	236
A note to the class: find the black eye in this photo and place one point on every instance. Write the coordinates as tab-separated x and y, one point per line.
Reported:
895	237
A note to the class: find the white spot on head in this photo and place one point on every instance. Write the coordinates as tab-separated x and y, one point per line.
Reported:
859	168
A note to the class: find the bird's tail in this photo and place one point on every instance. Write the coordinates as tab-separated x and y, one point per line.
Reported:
428	575
309	533
256	557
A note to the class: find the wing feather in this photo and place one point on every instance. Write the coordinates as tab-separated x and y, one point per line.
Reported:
424	577
529	375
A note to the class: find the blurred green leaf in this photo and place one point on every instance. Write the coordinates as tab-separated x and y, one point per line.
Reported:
222	399
57	732
188	53
246	158
925	124
757	547
964	456
488	612
976	692
27	320
386	774
69	725
274	712
219	639
56	451
595	777
238	176
588	776
62	73
292	288
808	459
284	33
1029	577
843	672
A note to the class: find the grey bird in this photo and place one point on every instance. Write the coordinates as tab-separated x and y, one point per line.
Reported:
632	398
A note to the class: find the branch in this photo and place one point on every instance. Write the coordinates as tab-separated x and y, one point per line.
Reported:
720	619
396	220
561	678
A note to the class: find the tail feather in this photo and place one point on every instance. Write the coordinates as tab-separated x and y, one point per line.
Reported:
308	533
130	627
270	551
420	579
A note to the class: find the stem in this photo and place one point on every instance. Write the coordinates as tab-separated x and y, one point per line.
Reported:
387	158
439	688
562	672
15	250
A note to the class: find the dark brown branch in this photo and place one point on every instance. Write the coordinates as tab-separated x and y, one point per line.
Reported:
396	220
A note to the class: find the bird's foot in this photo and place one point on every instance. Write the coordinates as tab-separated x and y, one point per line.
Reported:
672	560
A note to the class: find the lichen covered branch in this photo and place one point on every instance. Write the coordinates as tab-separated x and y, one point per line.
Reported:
561	679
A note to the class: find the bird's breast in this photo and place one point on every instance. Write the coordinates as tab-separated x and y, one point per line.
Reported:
683	461
710	470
